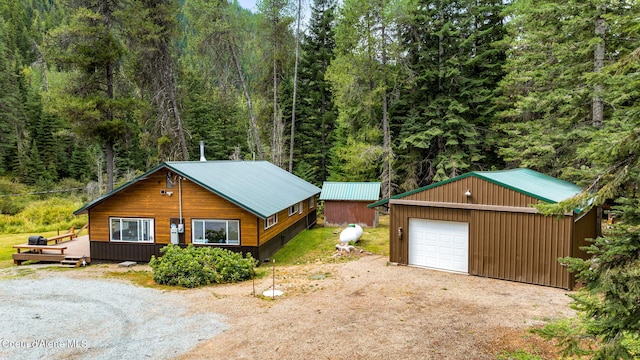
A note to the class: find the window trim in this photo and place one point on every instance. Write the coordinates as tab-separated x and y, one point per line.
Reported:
293	209
274	218
151	234
227	221
312	202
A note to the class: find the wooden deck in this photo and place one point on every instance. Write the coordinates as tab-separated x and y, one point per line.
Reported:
67	252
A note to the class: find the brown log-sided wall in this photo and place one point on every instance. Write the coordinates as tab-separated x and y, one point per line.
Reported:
507	238
148	199
340	213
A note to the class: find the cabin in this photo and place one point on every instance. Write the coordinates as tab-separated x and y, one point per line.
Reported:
483	223
346	203
244	206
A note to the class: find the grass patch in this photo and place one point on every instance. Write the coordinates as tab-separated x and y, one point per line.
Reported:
318	244
142	278
518	355
8	240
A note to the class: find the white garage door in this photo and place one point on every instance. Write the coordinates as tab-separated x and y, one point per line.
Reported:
439	244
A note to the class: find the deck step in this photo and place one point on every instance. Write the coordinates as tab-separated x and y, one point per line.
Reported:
71	261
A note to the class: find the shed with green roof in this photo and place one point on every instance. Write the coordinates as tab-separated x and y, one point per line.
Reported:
346	203
484	223
243	206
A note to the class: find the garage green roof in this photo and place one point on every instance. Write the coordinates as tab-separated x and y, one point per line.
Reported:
526	181
259	187
350	191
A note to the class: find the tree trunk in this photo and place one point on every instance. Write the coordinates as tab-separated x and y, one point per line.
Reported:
110	159
109	148
386	134
176	114
598	61
275	150
245	89
295	90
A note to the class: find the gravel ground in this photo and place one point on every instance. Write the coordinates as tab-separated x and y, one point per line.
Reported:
64	318
361	309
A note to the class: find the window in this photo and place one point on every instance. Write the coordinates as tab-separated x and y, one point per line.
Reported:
293	209
312	202
221	232
300	207
271	220
131	230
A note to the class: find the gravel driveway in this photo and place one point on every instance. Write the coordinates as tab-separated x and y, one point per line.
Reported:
65	318
361	309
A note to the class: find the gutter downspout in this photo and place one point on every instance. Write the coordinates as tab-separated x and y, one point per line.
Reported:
180	198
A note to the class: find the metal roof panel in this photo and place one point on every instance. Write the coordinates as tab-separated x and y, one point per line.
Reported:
533	183
257	186
526	181
354	191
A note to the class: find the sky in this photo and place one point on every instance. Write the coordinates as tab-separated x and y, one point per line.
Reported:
248	4
251	5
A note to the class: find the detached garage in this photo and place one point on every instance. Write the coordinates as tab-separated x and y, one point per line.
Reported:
483	223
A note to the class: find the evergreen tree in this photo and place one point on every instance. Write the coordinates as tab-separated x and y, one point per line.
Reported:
276	20
8	102
444	112
151	29
97	103
365	35
552	87
316	111
219	46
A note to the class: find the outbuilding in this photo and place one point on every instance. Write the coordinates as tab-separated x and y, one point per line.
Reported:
483	223
346	203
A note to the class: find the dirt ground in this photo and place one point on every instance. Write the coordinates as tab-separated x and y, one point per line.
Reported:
368	309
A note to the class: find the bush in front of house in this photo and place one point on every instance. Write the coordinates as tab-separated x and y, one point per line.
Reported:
196	266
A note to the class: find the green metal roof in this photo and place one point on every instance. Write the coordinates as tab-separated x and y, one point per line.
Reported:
526	181
540	186
354	191
256	186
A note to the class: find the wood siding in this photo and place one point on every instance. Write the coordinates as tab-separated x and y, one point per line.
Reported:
145	199
285	221
340	213
514	245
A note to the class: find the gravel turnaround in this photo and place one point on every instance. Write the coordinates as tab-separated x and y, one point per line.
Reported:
65	318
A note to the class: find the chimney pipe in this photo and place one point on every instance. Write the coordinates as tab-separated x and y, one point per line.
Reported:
202	158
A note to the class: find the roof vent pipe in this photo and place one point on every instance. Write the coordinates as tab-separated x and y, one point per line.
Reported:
202	158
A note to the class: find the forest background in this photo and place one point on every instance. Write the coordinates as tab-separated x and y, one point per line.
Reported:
406	92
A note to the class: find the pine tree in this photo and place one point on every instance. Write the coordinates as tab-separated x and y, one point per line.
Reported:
316	110
97	103
360	84
444	112
151	29
552	87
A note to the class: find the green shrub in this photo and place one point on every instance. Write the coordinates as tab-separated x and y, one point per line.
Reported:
195	266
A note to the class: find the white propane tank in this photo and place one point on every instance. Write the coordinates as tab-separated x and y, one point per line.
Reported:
353	232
